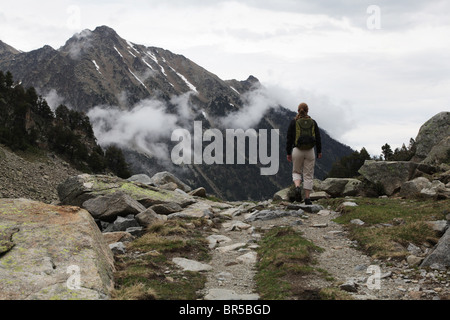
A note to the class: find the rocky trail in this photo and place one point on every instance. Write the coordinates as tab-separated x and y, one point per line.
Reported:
233	235
234	258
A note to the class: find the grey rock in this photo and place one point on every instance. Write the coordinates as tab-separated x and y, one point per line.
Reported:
349	286
413	188
110	206
390	174
135	231
248	258
441	253
49	242
413	260
165	177
317	195
224	294
117	248
314	208
438	226
148	217
122	224
265	215
191	265
282	195
437	188
413	249
430	134
339	187
217	239
357	222
141	178
199	192
166	208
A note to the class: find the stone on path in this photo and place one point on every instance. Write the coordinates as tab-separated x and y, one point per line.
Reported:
191	265
216	239
231	247
223	294
248	258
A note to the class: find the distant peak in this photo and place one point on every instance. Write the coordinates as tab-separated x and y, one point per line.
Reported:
105	30
7	48
252	79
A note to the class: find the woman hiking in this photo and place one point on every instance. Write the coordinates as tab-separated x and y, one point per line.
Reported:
302	136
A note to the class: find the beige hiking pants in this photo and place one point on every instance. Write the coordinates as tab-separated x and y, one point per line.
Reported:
303	163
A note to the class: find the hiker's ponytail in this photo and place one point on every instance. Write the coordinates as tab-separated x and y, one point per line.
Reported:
302	111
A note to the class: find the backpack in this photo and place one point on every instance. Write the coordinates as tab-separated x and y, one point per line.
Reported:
305	136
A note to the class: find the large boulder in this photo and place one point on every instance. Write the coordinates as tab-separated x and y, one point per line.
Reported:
431	135
436	189
439	153
390	174
441	253
52	252
113	205
78	189
411	189
162	178
338	187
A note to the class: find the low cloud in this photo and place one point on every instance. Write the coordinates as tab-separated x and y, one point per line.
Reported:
54	100
79	42
333	116
146	127
257	103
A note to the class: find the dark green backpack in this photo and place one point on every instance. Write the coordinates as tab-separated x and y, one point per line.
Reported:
305	136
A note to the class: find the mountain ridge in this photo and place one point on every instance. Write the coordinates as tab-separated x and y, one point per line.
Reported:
99	69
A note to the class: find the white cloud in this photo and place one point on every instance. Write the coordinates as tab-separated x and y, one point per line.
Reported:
146	126
317	51
256	103
143	127
54	100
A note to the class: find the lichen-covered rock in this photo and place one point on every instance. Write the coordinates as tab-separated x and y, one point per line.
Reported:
390	174
165	177
55	253
441	253
412	188
113	205
430	135
78	189
339	187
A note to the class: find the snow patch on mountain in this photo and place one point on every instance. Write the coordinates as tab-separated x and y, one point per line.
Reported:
96	66
190	85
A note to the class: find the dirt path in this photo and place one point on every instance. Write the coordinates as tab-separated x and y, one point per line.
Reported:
362	277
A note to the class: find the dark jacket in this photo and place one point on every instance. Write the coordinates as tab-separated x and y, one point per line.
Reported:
290	139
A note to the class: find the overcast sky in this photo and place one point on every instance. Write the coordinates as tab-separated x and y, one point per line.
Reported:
372	71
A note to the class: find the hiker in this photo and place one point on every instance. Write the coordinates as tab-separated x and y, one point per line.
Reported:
302	136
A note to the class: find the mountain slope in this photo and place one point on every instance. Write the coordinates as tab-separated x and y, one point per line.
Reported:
136	96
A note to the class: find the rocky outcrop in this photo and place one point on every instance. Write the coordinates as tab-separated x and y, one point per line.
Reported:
78	189
163	178
390	174
341	187
51	252
441	254
414	187
111	206
432	141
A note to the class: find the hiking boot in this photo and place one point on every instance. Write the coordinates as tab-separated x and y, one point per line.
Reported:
308	202
298	194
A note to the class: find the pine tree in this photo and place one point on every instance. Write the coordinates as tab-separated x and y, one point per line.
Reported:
116	162
387	152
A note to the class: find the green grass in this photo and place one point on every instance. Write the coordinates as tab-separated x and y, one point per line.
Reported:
284	256
392	222
152	275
